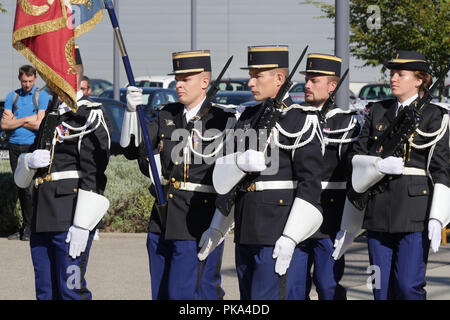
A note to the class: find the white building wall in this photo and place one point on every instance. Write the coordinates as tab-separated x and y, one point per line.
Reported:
152	30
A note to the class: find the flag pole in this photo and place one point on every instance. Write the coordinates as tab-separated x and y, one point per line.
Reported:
126	62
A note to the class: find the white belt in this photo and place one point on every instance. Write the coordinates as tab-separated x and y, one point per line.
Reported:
272	185
189	186
334	185
55	176
410	171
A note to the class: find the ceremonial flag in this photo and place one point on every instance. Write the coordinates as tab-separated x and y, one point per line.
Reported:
86	14
44	32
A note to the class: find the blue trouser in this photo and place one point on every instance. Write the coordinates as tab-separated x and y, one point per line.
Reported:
57	275
401	259
257	278
177	274
327	272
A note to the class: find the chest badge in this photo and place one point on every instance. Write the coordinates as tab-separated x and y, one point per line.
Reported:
381	126
169	122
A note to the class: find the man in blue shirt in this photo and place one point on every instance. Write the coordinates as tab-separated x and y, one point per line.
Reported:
23	113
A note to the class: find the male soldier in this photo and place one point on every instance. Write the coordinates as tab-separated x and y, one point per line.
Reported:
276	208
339	129
172	245
68	203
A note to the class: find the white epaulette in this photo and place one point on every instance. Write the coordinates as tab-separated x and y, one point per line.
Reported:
230	108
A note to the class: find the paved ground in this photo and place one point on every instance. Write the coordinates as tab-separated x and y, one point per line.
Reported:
118	269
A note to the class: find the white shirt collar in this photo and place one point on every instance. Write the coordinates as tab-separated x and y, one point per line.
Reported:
191	113
408	101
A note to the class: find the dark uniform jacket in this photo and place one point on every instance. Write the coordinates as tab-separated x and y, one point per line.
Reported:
55	201
189	213
260	216
404	205
337	169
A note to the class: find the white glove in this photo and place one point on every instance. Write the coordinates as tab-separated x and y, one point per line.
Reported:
434	234
40	158
210	239
342	242
251	161
78	238
134	98
390	165
284	248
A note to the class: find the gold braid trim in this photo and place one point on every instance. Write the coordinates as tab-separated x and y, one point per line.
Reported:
68	52
43	27
89	25
33	10
53	80
80	2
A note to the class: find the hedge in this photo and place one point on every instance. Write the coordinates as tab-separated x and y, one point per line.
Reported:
126	190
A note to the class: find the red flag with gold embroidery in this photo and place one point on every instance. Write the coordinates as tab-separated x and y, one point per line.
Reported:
44	34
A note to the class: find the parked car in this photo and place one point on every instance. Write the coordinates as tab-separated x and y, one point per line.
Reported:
375	92
232	97
98	87
165	82
153	98
234	84
297	92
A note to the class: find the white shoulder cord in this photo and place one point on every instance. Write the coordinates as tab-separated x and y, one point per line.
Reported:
438	134
230	123
94	115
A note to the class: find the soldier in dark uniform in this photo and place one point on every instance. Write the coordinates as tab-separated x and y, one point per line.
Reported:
186	165
339	128
407	195
68	201
278	207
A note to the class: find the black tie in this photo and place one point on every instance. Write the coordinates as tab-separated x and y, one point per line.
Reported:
184	121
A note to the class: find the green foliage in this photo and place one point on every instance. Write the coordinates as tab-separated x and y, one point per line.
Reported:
131	203
1	8
126	189
421	25
10	215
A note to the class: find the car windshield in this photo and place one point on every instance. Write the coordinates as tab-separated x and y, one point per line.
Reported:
374	92
232	99
230	85
300	87
149	84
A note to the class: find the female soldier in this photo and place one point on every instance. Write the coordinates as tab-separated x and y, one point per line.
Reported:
407	198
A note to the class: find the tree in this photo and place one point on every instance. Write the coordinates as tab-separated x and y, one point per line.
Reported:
1	8
381	27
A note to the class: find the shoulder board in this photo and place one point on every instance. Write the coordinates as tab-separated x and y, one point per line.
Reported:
230	108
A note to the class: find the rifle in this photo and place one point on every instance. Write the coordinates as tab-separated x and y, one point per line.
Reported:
331	101
391	142
266	120
46	134
408	120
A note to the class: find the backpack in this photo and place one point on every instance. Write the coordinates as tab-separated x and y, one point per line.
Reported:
35	100
15	107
